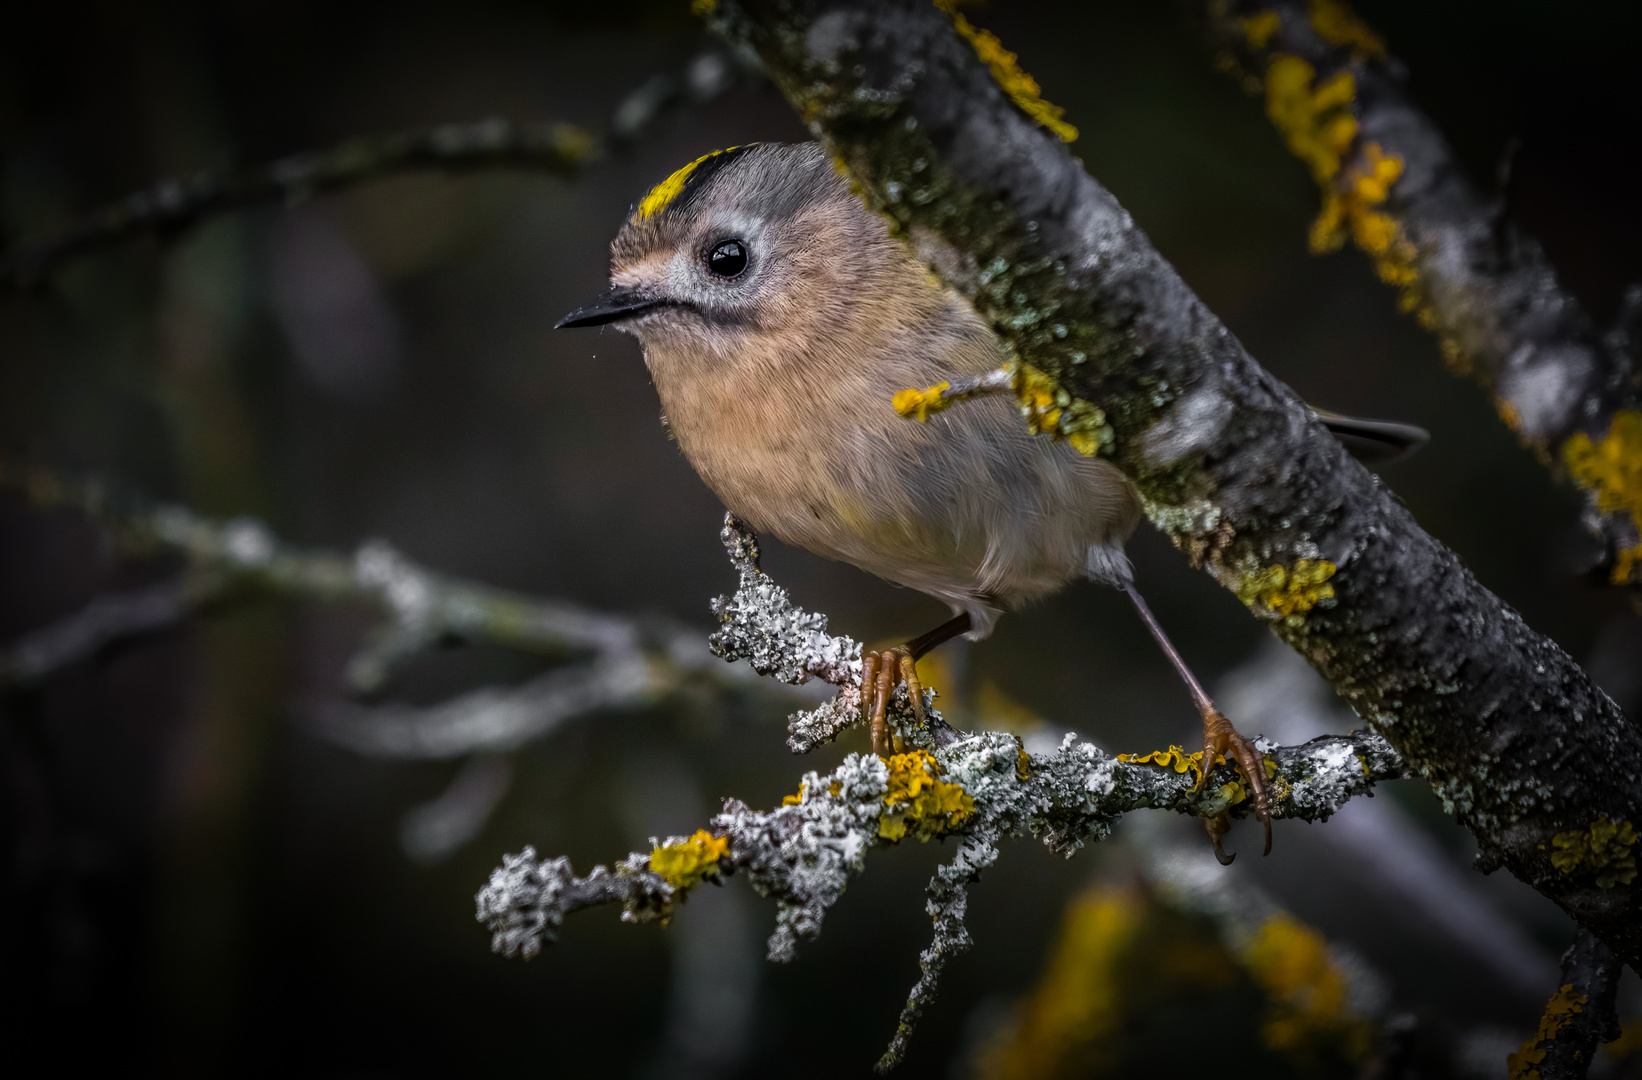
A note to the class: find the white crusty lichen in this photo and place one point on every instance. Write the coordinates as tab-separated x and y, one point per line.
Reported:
979	788
761	624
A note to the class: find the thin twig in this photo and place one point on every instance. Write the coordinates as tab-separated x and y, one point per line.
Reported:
561	150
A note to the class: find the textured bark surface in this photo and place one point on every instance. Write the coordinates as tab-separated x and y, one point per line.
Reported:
1521	747
1579	1017
1392	183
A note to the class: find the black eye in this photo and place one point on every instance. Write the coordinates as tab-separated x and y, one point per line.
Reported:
727	258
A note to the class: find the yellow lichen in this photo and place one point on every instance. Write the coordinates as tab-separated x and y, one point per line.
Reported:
1309	1011
918	802
687	863
1050	410
1612	469
919	404
1260	27
1351	206
1559	1013
1173	758
1338	25
1022	89
1602	850
668	190
703	7
1082	996
1288	591
1315	120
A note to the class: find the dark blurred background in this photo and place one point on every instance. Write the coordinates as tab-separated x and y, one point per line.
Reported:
195	883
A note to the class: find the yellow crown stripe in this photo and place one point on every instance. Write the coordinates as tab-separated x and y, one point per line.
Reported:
668	190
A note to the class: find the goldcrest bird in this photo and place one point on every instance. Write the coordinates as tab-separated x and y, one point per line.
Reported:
779	318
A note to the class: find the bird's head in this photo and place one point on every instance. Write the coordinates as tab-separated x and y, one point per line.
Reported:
760	246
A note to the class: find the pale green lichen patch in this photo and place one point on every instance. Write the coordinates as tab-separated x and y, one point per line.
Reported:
1604	851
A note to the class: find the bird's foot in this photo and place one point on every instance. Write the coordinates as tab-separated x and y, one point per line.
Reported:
1221	738
881	671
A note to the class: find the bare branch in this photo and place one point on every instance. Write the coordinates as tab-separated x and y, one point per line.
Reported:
420	605
1391	184
101	623
628	662
562	150
493	719
1119	357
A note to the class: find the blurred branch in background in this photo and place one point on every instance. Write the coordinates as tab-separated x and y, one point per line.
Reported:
1469	273
979	788
556	149
1378	844
616	661
1124	952
1188	931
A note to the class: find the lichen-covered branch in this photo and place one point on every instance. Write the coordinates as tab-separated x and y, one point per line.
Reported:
1579	1016
947	140
1392	185
419	605
555	149
979	788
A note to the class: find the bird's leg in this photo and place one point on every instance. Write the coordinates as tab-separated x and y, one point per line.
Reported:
883	669
1219	736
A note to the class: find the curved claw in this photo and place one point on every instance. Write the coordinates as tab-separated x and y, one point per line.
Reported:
1220	737
881	671
1218	827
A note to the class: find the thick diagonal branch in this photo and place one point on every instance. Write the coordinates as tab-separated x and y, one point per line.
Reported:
1392	184
1121	357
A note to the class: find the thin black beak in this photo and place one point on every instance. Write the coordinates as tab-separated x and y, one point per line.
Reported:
619	303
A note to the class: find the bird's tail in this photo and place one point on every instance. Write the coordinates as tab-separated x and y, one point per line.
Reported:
1373	440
